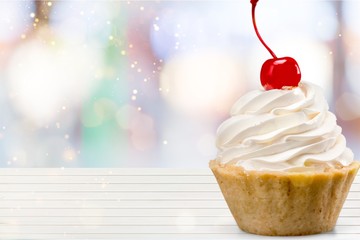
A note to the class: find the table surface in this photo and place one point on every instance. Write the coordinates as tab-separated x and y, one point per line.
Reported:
130	204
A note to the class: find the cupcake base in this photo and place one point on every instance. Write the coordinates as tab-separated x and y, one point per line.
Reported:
284	203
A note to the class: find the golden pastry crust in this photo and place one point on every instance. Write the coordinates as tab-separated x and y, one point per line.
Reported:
284	203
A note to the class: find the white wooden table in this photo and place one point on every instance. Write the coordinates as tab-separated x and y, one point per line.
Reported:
130	204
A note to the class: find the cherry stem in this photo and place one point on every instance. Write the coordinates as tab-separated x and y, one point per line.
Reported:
253	2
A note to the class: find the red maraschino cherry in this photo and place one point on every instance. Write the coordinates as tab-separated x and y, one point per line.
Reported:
276	73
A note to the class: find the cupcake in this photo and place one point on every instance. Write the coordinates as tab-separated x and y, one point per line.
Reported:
283	165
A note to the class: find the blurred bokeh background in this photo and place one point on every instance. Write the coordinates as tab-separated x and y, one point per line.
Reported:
146	83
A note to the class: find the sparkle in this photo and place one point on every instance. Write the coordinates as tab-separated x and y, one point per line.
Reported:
37	20
139	70
142	8
340	35
133	97
135	91
132	65
165	142
139	109
157	18
145	79
108	22
32	15
123	52
330	52
131	46
49	4
52	43
69	154
63	107
156	27
23	36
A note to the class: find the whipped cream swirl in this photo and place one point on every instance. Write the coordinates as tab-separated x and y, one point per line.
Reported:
282	130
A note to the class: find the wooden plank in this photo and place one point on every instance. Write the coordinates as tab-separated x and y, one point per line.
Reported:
104	172
179	204
118	179
129	204
137	221
174	229
108	187
129	212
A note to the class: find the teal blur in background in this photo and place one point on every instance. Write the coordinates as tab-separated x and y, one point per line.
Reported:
146	83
